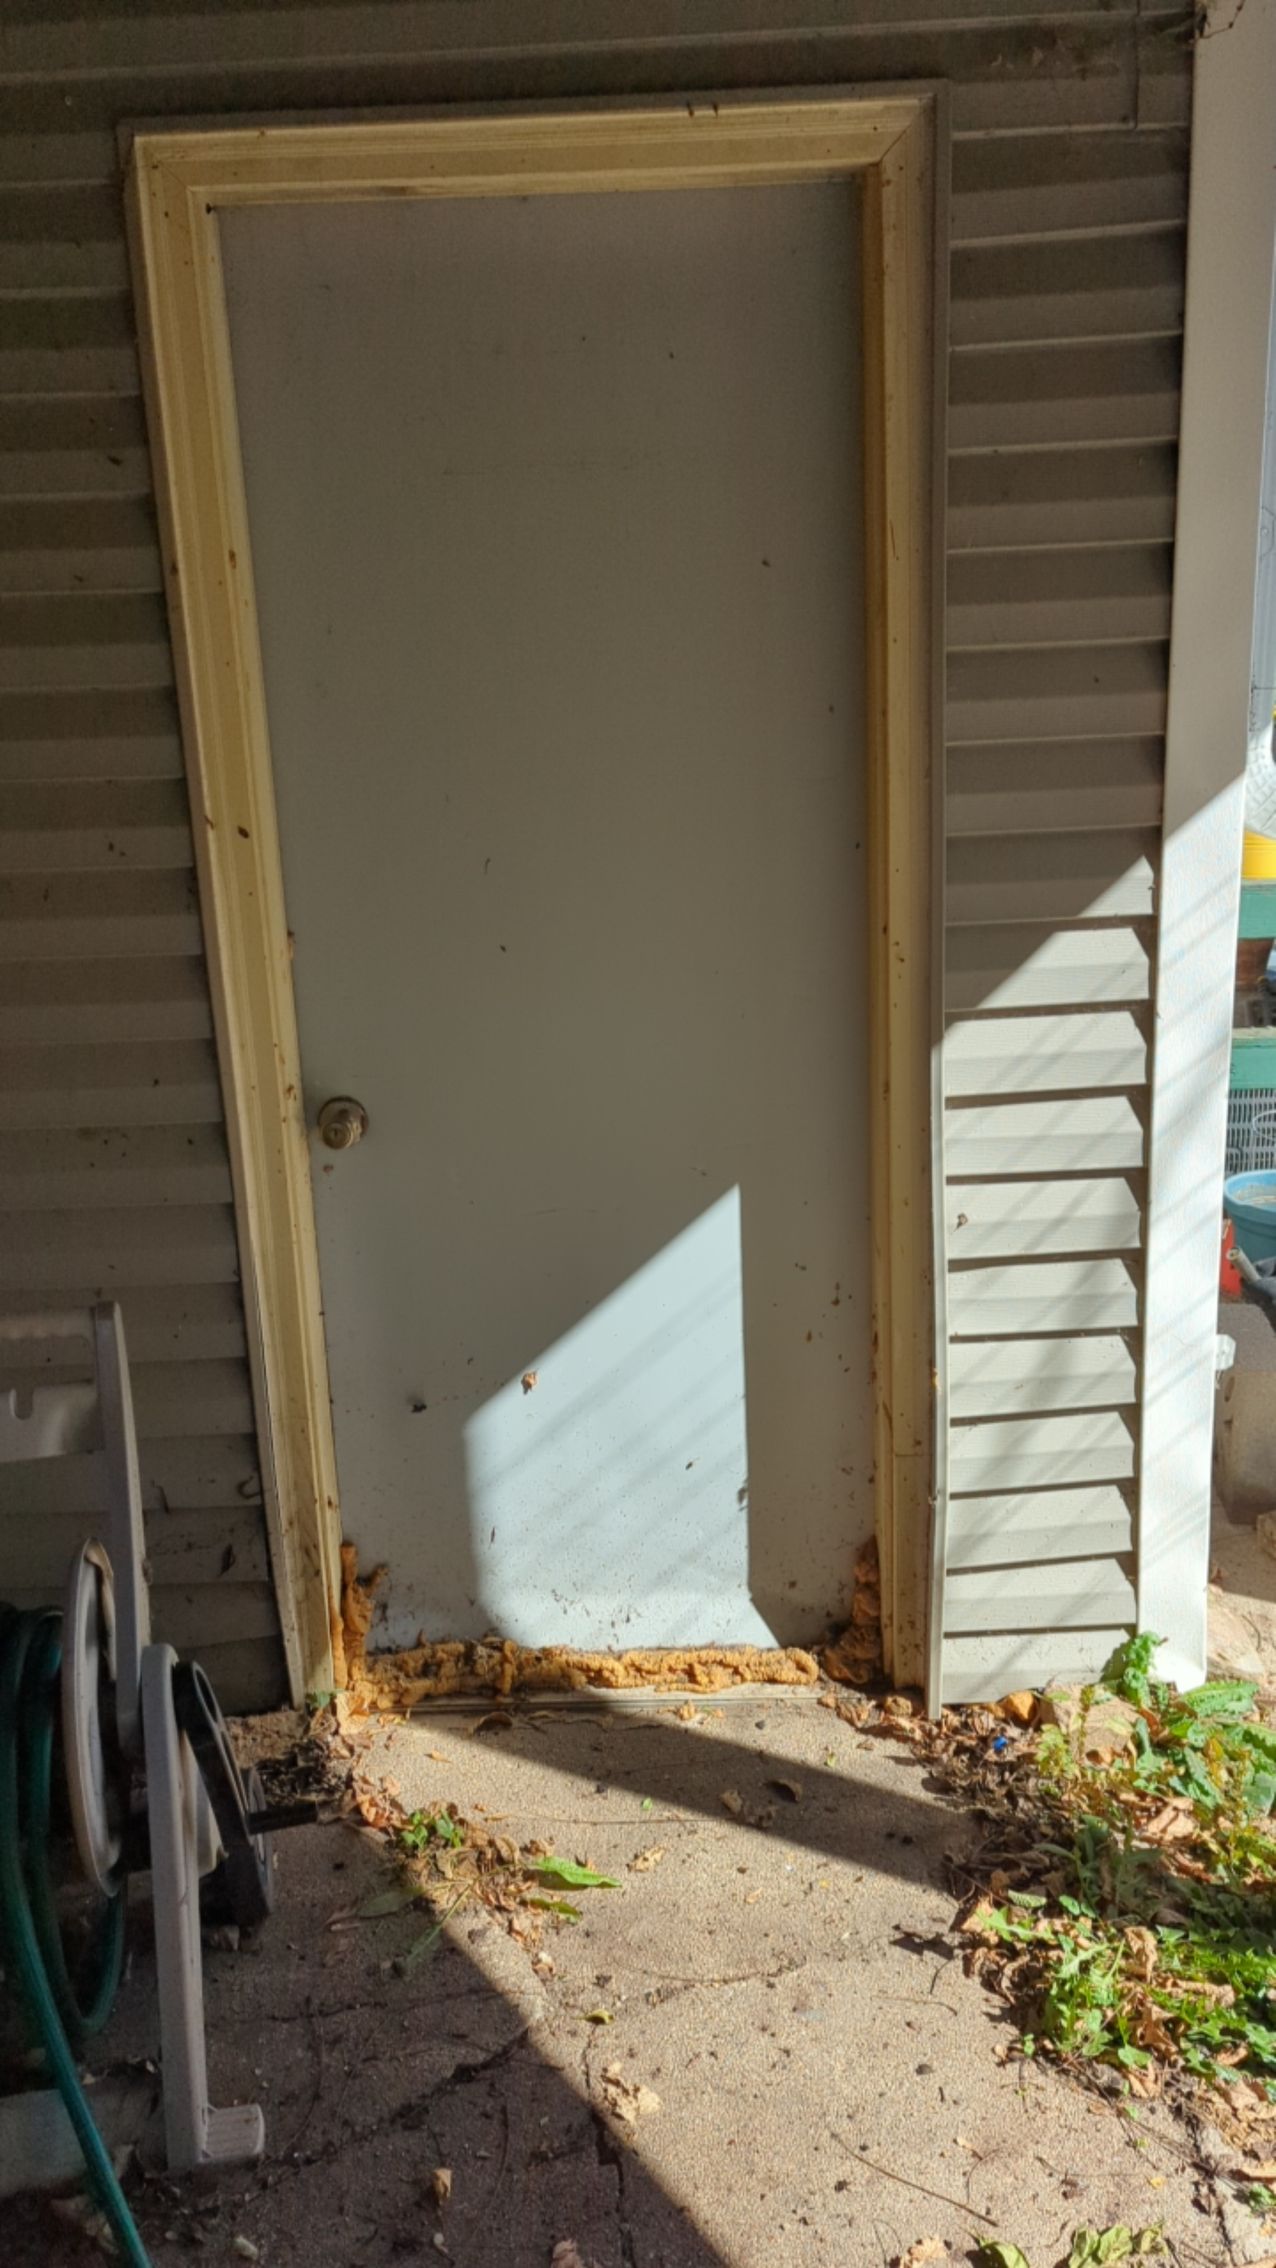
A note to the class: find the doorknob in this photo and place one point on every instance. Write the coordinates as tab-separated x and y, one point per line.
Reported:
342	1122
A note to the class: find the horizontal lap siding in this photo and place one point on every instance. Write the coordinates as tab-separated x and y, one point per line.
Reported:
114	1175
1067	277
1069	180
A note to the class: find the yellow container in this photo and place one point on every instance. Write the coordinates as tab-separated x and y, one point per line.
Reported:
1258	858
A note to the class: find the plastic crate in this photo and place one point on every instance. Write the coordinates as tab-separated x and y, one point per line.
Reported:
1251	1130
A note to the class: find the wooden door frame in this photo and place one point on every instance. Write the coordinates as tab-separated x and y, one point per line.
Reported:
179	181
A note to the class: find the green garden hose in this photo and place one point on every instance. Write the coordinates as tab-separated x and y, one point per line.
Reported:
30	1658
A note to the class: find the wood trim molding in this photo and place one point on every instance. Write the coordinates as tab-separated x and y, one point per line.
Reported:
1231	247
178	182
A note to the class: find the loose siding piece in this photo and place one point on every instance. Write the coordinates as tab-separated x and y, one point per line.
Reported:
1069	194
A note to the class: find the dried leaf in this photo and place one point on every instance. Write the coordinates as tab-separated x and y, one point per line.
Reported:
530	1381
926	2250
441	2184
1018	1708
599	2016
1175	1822
1143	1953
791	1790
732	1801
390	1901
643	1861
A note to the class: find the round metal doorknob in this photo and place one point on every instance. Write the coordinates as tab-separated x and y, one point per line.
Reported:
342	1122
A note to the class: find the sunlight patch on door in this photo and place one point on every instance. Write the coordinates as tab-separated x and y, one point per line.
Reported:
608	1482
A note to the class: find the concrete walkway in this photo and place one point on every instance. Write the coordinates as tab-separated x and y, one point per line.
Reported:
830	2086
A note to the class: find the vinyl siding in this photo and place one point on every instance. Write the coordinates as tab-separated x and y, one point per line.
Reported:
1069	195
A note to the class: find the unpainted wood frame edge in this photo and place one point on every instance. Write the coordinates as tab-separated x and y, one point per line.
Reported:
177	183
898	479
209	591
743	140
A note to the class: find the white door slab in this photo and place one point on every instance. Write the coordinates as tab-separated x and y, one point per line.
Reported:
555	510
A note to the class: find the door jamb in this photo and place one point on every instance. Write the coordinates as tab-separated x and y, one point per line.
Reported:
178	183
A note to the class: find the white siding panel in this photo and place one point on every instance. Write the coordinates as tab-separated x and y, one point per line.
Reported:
1008	1055
1065	395
1019	1220
176	1245
70	1002
113	825
193	1618
1077	1593
162	1323
98	1167
63	161
1014	692
1041	1525
1067	877
995	1377
1062	1295
1040	497
72	917
182	1547
67	544
1054	787
109	1086
985	1668
1068	1134
1026	966
183	1475
1117	283
1089	594
176	43
1040	1452
1066	183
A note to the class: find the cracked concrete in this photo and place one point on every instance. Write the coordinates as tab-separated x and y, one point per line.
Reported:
828	2078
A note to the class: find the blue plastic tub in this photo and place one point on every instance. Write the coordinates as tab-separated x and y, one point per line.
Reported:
1249	1200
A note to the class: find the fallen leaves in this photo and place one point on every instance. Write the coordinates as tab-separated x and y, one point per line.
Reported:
643	1861
923	2253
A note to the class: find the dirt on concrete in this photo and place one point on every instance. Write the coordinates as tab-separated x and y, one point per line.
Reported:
761	2048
